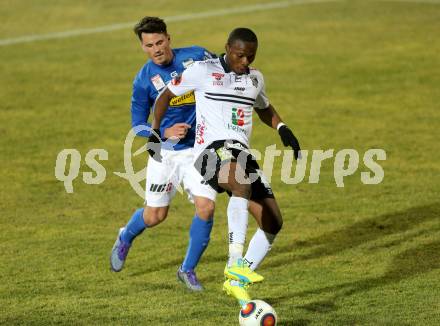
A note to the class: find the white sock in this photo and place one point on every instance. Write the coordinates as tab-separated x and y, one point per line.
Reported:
237	226
259	246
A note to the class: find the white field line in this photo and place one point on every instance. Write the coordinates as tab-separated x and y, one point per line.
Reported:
435	2
186	17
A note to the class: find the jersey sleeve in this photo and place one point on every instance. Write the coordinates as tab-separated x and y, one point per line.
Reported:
208	54
262	101
190	80
140	106
203	54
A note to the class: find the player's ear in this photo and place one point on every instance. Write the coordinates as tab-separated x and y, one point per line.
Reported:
143	48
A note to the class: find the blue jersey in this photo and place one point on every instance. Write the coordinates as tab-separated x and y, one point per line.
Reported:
151	79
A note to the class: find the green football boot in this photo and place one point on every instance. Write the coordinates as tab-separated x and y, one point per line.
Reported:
241	272
238	291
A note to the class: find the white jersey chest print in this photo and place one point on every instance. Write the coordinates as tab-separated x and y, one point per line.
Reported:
224	101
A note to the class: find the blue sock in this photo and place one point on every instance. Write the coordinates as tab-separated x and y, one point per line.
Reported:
134	227
199	235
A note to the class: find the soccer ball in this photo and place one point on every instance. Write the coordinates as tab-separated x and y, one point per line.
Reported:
257	313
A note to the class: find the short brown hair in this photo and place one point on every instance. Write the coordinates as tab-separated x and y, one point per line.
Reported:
150	25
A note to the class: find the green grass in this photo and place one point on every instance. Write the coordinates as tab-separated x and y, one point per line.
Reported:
348	74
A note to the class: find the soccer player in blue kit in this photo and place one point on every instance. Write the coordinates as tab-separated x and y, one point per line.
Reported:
177	166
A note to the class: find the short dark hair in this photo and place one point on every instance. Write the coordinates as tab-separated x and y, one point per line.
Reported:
243	34
150	25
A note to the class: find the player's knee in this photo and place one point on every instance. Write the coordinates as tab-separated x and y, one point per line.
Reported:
204	208
272	224
154	215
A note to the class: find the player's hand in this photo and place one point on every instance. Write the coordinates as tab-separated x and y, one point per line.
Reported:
178	130
154	144
289	139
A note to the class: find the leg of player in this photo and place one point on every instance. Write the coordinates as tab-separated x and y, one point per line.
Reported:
159	192
238	277
237	210
139	221
237	222
238	274
268	216
199	235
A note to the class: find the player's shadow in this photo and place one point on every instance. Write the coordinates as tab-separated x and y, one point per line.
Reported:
175	260
357	234
409	263
331	243
352	236
155	267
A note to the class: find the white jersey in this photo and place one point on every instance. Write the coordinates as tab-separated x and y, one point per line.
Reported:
224	100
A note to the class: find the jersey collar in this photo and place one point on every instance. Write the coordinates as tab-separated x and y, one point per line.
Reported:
225	65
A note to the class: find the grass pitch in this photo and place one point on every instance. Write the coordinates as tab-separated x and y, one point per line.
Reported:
344	74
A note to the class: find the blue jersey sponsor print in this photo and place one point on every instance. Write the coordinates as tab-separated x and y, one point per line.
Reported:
151	79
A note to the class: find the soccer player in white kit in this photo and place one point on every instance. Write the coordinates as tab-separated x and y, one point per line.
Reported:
227	92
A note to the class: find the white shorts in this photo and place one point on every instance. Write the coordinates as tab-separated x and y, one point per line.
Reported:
166	177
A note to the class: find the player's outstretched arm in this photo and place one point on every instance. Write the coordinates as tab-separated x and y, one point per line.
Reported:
160	107
271	117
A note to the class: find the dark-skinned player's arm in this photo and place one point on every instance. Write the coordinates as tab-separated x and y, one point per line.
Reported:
160	107
271	118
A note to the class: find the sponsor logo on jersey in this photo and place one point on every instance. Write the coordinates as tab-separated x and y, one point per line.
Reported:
254	80
237	117
174	74
176	81
187	63
200	132
218	79
164	187
239	89
236	128
237	120
185	99
157	82
217	75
